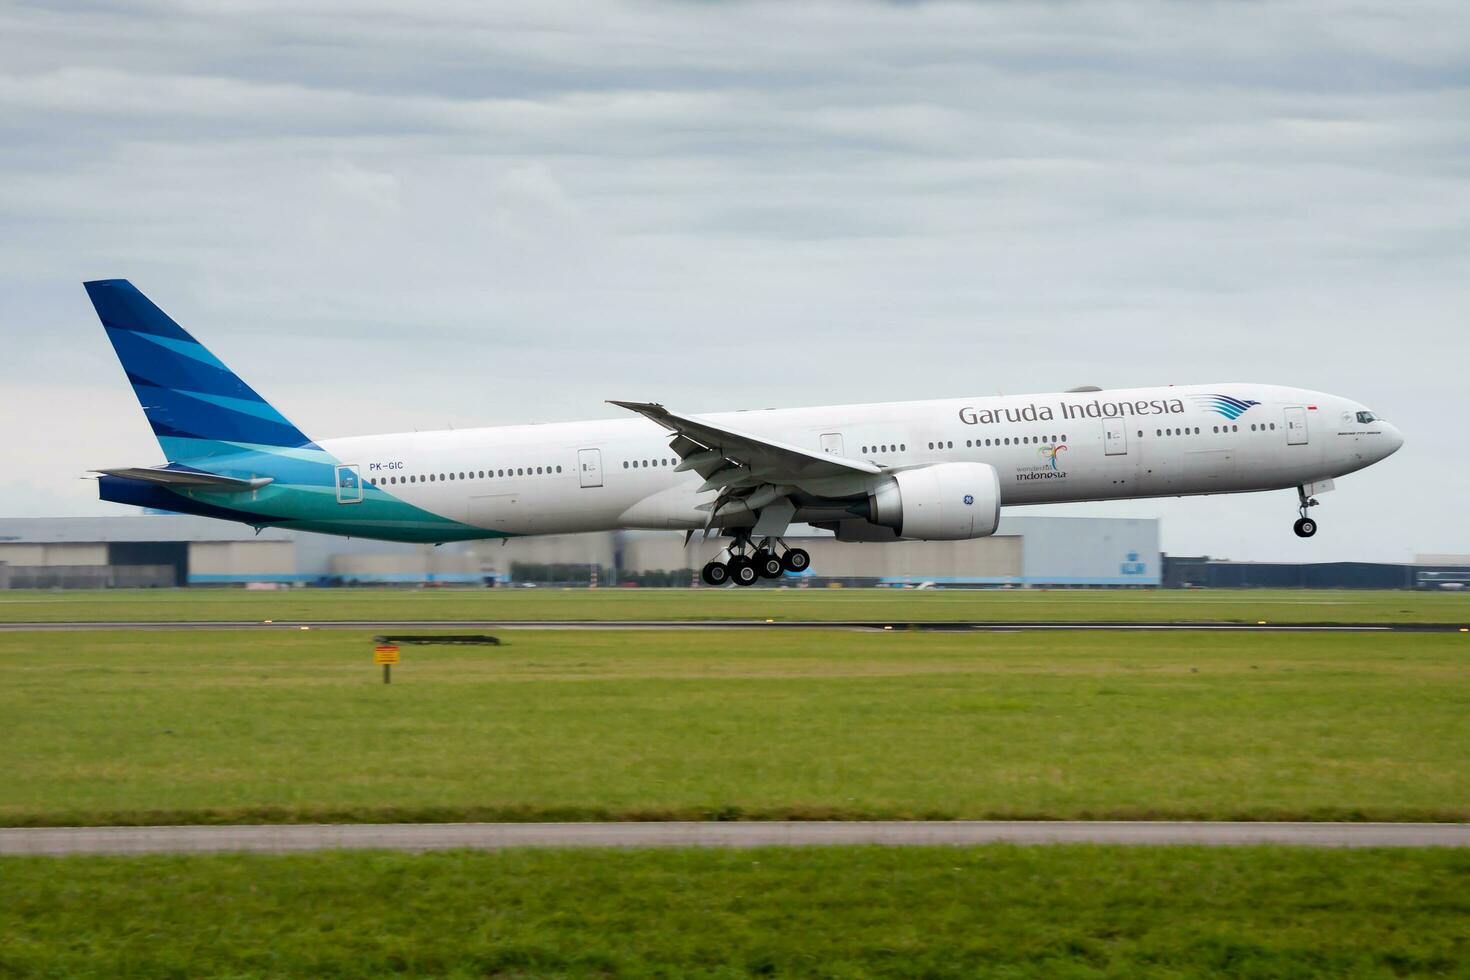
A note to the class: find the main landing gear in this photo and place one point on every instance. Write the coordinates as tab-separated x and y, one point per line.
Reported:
749	563
1304	527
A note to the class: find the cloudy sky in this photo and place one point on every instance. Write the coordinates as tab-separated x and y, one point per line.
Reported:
390	216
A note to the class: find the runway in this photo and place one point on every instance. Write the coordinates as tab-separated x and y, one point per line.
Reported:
972	626
291	838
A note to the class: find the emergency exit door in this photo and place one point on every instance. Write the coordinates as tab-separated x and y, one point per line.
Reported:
1115	437
1296	426
589	467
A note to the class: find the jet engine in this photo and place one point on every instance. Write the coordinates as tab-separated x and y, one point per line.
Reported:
942	502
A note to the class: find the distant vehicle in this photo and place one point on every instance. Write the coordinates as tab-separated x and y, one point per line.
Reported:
932	470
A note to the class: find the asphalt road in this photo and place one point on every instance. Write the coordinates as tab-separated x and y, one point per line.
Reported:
981	626
286	838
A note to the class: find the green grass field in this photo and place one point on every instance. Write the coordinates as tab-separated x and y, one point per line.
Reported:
1276	606
1043	912
215	726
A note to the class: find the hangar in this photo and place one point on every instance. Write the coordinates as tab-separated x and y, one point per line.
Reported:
173	550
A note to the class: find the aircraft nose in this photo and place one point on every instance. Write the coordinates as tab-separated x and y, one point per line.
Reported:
1393	439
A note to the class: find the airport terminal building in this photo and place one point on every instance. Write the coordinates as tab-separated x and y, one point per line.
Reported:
175	550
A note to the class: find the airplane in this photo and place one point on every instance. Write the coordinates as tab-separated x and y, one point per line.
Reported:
936	470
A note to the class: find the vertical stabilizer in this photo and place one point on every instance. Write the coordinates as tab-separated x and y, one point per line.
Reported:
196	405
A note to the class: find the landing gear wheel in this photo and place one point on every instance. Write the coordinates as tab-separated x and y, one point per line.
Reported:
1305	527
768	565
796	561
742	570
715	573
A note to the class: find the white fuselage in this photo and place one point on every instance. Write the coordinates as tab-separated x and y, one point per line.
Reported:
1047	448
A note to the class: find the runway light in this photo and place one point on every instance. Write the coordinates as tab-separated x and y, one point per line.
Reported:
267	621
1465	629
1260	622
306	627
888	627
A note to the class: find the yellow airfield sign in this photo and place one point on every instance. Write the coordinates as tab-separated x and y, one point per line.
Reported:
386	653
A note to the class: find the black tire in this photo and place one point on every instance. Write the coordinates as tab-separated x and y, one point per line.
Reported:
1305	527
743	571
796	560
715	573
768	564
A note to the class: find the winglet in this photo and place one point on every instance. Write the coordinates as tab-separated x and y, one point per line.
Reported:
652	411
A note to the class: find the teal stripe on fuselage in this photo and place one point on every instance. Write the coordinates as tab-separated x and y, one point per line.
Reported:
303	494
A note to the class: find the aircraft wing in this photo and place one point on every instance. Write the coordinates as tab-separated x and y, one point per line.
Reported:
728	458
186	477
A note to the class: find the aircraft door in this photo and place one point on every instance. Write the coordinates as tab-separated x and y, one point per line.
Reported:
1296	426
1115	437
349	484
832	443
589	467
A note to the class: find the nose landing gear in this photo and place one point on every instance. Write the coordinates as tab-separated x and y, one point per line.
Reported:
1304	527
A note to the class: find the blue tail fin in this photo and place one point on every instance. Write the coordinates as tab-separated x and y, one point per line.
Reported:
196	405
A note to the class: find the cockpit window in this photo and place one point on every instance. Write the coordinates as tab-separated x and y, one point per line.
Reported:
1367	417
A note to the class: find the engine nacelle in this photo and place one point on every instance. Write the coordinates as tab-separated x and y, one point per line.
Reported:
942	502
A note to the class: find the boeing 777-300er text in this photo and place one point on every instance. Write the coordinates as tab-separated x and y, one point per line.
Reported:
931	470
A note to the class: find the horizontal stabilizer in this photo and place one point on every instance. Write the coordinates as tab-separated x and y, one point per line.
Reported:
183	476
